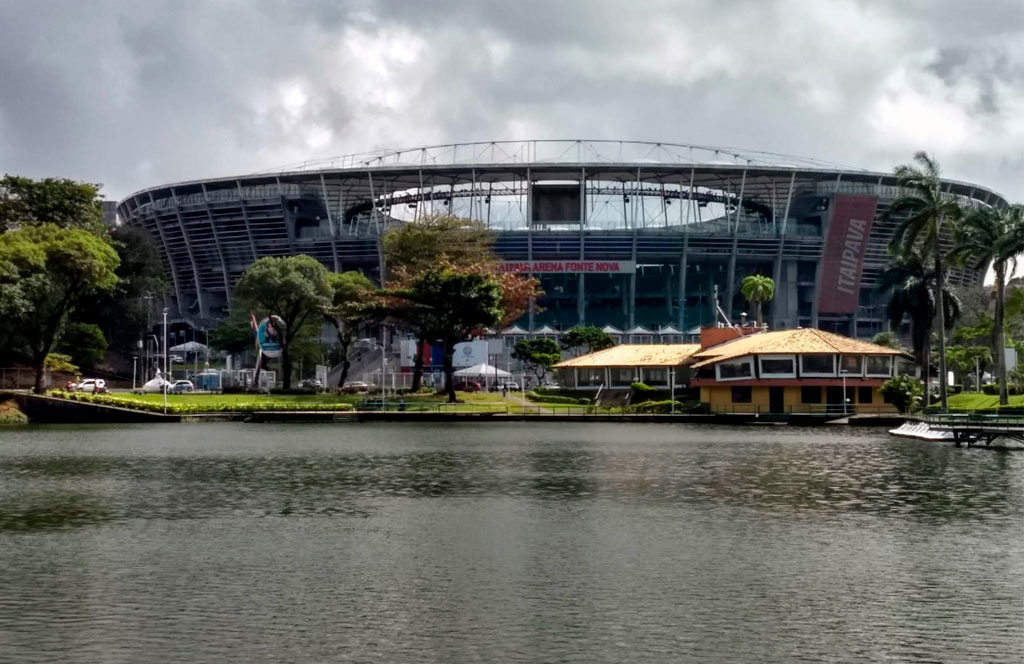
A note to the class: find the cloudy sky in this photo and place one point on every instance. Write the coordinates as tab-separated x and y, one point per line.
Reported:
135	93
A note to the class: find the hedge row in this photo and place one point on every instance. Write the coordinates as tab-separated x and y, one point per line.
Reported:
538	397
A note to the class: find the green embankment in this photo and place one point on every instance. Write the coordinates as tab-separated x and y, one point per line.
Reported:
978	401
10	414
233	403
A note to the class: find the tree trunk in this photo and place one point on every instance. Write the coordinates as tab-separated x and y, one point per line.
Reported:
449	370
345	341
927	370
286	364
997	335
757	311
940	283
39	366
417	366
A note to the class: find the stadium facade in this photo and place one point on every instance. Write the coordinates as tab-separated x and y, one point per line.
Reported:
638	236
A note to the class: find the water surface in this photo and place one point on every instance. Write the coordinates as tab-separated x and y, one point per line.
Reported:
505	542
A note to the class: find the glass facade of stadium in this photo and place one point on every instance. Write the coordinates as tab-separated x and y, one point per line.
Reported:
619	234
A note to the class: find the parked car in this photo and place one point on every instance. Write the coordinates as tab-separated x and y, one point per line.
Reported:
509	385
180	386
550	386
357	385
467	386
94	385
176	359
311	383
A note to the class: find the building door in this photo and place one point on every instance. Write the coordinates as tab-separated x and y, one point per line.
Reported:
834	399
776	399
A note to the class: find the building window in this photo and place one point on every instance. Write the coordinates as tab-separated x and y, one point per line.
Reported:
735	369
810	394
656	376
851	364
590	377
566	378
879	365
817	365
864	395
778	366
623	377
742	395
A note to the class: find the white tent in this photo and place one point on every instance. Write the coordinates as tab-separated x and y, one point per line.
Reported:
188	347
482	370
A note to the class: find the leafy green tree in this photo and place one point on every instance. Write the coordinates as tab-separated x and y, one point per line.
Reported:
233	334
887	339
538	354
434	242
351	293
995	237
963	360
758	288
589	337
449	307
925	216
84	343
64	203
47	270
910	281
903	392
294	288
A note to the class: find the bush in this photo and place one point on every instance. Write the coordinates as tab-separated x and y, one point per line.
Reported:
658	407
903	392
556	399
300	391
990	388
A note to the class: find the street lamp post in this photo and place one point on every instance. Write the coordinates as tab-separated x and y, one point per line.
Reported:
672	388
843	372
135	362
164	386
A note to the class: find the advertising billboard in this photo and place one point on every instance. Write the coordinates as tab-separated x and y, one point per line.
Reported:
268	336
572	266
556	204
843	256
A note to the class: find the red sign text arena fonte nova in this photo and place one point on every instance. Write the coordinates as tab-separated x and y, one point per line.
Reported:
570	266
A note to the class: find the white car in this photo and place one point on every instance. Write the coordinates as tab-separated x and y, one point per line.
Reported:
95	385
356	385
509	385
180	386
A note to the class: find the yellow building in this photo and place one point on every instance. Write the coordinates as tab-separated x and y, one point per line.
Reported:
745	370
658	365
793	371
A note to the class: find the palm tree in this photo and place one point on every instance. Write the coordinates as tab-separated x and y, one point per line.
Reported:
910	280
994	236
925	213
758	288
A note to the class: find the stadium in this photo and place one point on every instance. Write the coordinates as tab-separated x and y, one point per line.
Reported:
639	237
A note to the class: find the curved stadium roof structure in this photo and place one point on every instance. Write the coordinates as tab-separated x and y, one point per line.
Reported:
620	233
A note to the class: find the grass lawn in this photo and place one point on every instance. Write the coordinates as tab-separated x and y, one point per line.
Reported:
978	401
198	403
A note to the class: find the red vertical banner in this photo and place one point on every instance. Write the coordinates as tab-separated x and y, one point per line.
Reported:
843	255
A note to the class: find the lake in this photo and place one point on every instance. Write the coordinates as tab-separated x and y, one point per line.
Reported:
506	542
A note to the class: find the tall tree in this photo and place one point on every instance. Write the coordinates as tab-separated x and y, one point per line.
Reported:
449	307
910	281
46	270
926	216
445	242
588	337
758	288
995	237
351	292
294	288
64	203
538	354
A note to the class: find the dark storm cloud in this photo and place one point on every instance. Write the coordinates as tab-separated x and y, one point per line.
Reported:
138	93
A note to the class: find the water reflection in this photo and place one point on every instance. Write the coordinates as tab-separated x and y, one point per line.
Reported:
506	543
